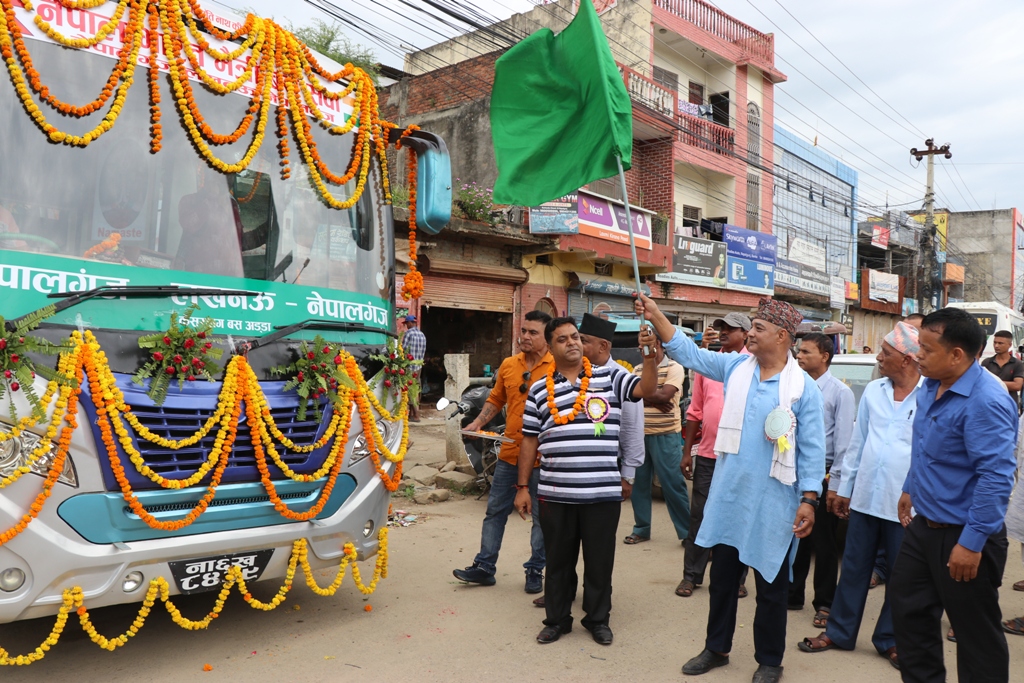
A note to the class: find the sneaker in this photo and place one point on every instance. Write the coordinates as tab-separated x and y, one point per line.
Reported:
474	574
534	582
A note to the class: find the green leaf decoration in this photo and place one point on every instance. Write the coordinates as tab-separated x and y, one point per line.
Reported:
18	370
184	353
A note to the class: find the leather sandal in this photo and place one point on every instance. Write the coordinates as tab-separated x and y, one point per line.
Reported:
893	658
820	619
633	539
1014	626
817	644
685	588
1019	586
951	635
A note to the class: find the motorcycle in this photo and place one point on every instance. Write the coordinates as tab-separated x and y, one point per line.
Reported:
481	452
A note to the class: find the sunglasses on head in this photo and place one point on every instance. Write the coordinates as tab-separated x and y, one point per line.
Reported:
524	387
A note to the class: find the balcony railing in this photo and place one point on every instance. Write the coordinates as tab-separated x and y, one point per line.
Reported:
718	23
649	93
703	134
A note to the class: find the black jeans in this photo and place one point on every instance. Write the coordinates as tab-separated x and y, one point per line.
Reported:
920	588
824	544
566	527
695	558
769	616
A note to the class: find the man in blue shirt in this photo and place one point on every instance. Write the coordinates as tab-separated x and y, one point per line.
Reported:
960	478
771	461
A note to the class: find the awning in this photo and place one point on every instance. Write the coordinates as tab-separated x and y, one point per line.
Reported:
605	284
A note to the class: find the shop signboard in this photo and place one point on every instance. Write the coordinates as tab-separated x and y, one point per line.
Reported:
697	262
606	219
884	287
800	277
751	260
807	253
880	236
557	217
837	292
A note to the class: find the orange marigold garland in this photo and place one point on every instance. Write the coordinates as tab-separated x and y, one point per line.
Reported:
156	131
581	397
107	245
412	288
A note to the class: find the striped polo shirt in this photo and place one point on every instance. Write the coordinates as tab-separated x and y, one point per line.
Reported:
575	465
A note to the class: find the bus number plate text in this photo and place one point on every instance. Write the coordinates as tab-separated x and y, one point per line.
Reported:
208	573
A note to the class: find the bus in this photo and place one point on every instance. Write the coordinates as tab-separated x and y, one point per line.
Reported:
994	317
152	211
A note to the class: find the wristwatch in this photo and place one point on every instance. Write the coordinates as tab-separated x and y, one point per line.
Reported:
813	502
629	480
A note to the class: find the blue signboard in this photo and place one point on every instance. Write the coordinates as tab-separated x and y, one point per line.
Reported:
751	260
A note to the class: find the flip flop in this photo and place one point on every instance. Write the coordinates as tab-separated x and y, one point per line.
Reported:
1014	626
1019	586
821	618
818	644
633	539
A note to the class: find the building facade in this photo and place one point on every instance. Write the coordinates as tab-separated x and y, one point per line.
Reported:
991	244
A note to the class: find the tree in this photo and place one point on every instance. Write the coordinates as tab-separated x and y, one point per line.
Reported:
328	40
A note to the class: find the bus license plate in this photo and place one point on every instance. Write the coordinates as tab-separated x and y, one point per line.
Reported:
208	573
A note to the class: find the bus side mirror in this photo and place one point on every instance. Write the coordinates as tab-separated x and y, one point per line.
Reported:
433	179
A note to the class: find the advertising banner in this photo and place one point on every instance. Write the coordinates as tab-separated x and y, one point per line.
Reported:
880	236
837	292
697	262
26	279
751	260
800	277
883	287
558	217
807	253
606	219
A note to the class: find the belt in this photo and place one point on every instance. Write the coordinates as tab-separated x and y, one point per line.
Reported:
937	525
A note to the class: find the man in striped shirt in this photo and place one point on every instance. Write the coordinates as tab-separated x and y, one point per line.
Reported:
572	420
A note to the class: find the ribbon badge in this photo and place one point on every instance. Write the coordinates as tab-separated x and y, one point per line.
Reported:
597	410
779	427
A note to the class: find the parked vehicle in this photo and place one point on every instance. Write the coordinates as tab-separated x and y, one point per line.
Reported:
855	370
994	317
482	453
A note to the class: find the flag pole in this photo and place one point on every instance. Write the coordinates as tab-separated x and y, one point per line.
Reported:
632	240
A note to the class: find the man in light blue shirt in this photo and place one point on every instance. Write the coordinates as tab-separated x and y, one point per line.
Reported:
815	356
873	472
764	490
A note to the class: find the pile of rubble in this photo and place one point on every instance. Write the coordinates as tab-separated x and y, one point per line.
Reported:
435	483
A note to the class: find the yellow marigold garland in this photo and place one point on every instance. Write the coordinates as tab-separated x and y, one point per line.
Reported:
73	599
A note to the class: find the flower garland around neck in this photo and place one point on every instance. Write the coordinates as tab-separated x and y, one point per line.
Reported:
581	397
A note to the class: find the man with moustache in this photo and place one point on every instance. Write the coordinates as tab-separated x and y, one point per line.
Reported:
771	461
572	421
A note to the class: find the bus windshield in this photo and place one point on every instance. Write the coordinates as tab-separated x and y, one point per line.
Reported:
171	209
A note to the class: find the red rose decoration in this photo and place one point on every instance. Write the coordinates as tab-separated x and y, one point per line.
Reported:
158	356
338	360
201	335
170	369
311	355
167	340
327	349
3	344
189	343
7	374
177	359
15	386
191	378
14	358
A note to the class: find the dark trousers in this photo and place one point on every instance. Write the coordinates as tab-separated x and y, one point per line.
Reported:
920	588
824	544
769	616
695	558
565	528
865	534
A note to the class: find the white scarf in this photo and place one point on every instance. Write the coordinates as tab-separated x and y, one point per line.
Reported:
730	427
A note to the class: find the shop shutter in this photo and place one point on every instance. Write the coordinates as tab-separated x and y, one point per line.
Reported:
468	294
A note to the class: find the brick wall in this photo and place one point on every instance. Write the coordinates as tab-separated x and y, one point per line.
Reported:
651	176
704	295
446	88
531	293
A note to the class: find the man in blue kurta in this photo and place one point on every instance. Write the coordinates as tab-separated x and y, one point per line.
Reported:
771	462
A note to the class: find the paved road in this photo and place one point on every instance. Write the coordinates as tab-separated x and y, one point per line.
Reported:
426	627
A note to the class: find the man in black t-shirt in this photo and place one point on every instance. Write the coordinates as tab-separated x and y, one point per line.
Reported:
1004	366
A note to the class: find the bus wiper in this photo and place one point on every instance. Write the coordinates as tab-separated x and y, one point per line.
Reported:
142	291
282	331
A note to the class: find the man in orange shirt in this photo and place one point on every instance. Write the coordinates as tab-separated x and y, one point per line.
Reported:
515	377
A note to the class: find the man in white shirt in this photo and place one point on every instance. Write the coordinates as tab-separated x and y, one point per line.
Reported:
874	470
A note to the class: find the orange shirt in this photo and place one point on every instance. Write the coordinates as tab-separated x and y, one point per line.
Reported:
506	394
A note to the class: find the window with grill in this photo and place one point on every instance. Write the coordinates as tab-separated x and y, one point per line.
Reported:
602	269
608	187
691	219
696	93
666	78
753	132
753	201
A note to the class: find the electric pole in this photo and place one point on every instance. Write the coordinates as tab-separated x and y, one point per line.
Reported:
928	295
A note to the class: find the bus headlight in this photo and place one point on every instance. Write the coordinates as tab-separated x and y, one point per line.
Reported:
390	432
16	453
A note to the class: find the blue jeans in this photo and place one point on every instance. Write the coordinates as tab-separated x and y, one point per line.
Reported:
864	536
500	504
664	452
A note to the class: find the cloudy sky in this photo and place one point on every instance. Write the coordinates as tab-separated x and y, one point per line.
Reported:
939	68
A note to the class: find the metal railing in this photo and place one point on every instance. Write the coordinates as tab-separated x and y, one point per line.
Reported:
720	24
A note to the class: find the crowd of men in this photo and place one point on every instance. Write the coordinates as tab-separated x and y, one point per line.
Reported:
912	486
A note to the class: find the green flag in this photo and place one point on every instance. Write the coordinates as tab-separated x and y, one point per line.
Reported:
560	113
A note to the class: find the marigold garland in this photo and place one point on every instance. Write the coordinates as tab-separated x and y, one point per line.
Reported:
109	244
581	397
412	287
73	599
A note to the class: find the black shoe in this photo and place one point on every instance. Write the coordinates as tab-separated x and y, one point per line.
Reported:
550	634
474	574
704	662
534	582
767	674
602	634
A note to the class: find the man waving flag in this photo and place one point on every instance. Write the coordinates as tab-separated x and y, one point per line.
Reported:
560	113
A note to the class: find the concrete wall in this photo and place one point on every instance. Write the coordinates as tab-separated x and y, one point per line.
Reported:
627	26
986	240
